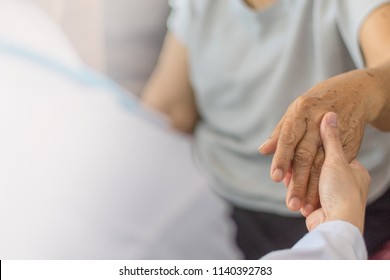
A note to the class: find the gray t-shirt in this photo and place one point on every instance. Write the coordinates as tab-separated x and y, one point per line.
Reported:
247	66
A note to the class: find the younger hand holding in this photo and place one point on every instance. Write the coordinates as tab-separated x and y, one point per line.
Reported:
343	187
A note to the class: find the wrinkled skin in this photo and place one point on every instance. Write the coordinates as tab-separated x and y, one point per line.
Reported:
343	187
296	142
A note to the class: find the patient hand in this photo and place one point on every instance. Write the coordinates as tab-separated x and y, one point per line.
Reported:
296	141
343	187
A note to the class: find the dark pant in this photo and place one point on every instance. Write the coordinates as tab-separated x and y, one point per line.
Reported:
259	233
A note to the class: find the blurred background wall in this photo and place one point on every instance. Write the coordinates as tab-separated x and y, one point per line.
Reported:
121	38
135	31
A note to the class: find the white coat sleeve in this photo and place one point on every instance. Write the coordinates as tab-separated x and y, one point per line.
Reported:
330	240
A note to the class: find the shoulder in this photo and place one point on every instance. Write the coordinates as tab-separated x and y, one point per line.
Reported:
358	7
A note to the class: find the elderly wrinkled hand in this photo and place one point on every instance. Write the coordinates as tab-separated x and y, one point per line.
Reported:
296	142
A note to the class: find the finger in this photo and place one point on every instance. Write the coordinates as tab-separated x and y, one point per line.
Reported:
315	218
330	135
312	199
302	164
361	171
291	133
357	165
352	138
269	146
287	178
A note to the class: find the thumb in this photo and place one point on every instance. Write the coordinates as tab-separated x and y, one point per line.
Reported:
330	136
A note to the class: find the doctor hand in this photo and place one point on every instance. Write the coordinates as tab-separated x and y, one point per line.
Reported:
343	187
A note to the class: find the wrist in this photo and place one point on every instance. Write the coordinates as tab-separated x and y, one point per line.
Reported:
371	90
352	216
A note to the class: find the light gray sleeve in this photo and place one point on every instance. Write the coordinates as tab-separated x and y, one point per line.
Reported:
330	240
179	21
351	15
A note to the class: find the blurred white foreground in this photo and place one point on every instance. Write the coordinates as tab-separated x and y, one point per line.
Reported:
85	172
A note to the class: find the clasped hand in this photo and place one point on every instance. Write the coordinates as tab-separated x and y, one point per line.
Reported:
296	141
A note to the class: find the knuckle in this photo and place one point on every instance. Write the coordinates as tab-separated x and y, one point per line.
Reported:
303	158
287	138
306	103
299	185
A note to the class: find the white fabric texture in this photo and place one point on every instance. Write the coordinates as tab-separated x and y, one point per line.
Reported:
83	175
247	67
335	240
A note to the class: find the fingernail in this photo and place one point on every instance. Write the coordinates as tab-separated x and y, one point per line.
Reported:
332	120
294	204
308	209
277	174
262	145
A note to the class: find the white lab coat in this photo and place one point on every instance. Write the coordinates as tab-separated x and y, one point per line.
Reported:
330	240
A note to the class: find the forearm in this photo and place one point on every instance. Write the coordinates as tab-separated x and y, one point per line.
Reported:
169	89
182	115
375	45
368	93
